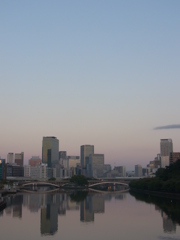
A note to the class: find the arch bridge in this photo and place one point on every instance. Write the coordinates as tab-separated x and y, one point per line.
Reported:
110	185
108	182
39	184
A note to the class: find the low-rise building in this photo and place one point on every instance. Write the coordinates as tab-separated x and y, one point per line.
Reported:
14	170
35	161
121	170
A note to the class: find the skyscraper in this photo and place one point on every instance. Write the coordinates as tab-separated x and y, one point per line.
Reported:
138	170
10	158
86	151
166	147
96	165
2	169
50	150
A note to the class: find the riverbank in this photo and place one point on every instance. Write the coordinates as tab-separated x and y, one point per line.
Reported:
157	193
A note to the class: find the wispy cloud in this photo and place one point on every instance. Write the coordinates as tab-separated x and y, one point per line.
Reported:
172	126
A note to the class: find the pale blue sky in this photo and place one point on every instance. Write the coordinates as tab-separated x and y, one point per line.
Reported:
90	72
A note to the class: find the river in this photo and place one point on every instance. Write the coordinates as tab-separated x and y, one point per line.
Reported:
90	216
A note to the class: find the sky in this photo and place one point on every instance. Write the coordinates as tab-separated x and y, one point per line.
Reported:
95	72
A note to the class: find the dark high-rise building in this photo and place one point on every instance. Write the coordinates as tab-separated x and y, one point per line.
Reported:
19	159
62	155
14	170
2	169
86	151
50	150
174	156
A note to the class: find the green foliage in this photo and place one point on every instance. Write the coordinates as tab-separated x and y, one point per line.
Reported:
166	180
80	180
52	179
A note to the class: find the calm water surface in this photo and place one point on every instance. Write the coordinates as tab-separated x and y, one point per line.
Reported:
90	216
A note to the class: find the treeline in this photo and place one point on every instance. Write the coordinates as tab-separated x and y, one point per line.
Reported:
166	180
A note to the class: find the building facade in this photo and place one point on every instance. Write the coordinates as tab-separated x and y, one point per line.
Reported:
10	158
173	157
36	172
19	159
121	170
2	169
86	151
62	154
96	165
50	151
138	171
14	170
166	147
35	161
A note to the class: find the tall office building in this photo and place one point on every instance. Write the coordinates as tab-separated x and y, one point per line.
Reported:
2	169
50	150
10	158
86	151
96	165
166	147
19	159
138	171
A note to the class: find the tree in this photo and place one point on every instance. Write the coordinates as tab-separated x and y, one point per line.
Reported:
80	180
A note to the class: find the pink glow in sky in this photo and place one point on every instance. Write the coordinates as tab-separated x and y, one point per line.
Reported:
93	72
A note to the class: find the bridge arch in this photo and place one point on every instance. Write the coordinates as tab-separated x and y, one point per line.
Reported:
39	184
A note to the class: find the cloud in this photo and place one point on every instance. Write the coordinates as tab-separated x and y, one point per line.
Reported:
172	126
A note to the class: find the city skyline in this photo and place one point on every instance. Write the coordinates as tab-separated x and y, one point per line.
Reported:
90	150
99	72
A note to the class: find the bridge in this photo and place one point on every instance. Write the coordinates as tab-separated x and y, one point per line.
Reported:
92	183
35	184
103	183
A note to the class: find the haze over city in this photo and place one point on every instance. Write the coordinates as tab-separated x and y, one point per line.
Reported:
102	72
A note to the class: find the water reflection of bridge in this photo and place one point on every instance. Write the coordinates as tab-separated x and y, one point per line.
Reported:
109	186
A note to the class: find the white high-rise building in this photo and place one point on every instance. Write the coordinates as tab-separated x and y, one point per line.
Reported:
138	171
10	158
35	172
166	147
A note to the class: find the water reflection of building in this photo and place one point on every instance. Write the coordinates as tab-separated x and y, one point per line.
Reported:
86	213
17	206
71	205
98	204
49	219
62	199
168	224
33	201
92	204
120	196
